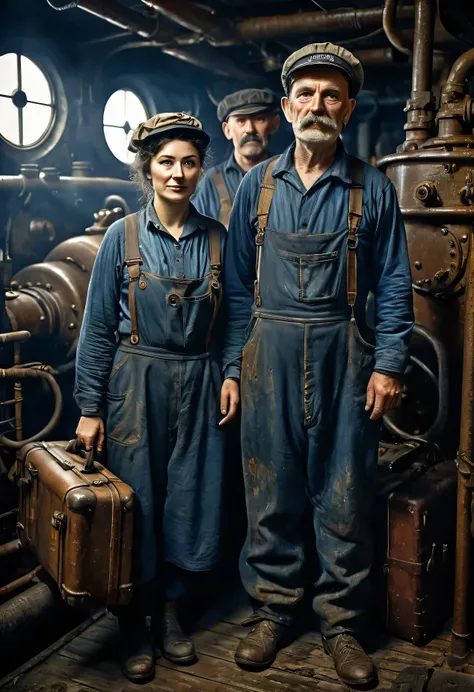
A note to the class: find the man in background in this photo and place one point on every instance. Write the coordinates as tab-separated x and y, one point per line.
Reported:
249	118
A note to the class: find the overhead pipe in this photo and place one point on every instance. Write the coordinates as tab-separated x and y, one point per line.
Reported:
389	17
10	547
254	28
209	58
195	18
30	609
111	12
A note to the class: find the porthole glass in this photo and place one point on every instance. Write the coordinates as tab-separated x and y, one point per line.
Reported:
123	112
27	104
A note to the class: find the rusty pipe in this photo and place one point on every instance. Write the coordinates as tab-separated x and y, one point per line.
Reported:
21	373
26	610
207	57
425	13
19	583
461	631
254	28
12	337
111	12
462	68
10	547
395	37
195	18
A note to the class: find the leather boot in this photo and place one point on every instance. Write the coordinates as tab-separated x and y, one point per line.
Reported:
352	664
174	644
137	657
258	649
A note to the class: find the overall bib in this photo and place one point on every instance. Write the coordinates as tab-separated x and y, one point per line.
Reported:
162	418
305	433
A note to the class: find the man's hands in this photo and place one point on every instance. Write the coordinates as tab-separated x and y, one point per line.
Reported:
383	394
230	399
90	429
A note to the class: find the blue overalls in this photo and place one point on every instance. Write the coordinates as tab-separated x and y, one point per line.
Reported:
162	411
216	191
305	433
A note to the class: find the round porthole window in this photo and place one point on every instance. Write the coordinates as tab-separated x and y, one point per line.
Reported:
123	112
27	101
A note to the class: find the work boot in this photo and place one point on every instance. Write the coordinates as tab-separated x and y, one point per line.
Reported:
352	664
137	657
174	644
258	649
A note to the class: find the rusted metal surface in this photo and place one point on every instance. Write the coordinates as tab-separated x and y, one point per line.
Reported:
112	12
390	28
19	583
254	28
10	547
31	608
196	18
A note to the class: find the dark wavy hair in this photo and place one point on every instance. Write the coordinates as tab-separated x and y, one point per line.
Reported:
141	165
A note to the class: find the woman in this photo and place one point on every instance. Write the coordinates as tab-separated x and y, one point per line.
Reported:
147	379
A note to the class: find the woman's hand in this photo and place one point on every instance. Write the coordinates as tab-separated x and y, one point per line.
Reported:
383	394
230	399
89	430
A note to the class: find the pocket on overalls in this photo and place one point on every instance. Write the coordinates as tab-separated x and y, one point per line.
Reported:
124	418
317	276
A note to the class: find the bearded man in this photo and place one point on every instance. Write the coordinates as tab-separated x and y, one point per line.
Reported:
249	118
311	233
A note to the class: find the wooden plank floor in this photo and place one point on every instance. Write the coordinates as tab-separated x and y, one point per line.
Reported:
89	662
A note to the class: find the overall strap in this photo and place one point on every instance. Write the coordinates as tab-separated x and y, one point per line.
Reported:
353	222
225	200
267	190
133	261
216	268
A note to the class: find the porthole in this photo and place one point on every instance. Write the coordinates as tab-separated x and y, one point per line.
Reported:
27	101
123	112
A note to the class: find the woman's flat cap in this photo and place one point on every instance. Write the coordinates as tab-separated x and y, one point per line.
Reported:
168	124
329	55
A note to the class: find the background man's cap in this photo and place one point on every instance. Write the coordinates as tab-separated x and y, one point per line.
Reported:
329	55
164	124
247	102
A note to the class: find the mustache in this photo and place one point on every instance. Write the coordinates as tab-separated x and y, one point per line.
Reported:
313	119
250	138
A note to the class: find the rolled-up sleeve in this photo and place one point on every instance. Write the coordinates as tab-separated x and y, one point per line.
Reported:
97	341
391	286
239	277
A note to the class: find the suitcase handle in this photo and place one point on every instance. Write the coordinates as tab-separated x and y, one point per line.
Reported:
76	447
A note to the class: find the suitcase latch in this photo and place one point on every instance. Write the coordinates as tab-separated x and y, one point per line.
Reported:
59	520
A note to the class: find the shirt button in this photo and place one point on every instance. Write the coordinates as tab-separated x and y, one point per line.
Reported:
304	225
178	247
178	259
181	275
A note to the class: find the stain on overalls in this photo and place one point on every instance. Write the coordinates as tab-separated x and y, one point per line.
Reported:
305	433
163	411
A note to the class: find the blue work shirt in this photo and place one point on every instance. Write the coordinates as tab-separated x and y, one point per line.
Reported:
107	316
206	200
383	264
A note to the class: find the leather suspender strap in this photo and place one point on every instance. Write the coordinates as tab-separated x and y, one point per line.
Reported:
225	200
133	261
267	190
216	268
353	222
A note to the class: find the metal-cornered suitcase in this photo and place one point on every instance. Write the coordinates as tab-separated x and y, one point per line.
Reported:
415	547
79	524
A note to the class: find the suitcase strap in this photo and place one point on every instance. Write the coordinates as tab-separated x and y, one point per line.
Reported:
415	568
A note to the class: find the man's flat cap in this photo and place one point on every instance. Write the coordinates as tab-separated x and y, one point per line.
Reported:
329	55
168	124
247	102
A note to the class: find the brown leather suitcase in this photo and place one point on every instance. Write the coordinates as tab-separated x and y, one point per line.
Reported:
415	547
78	518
